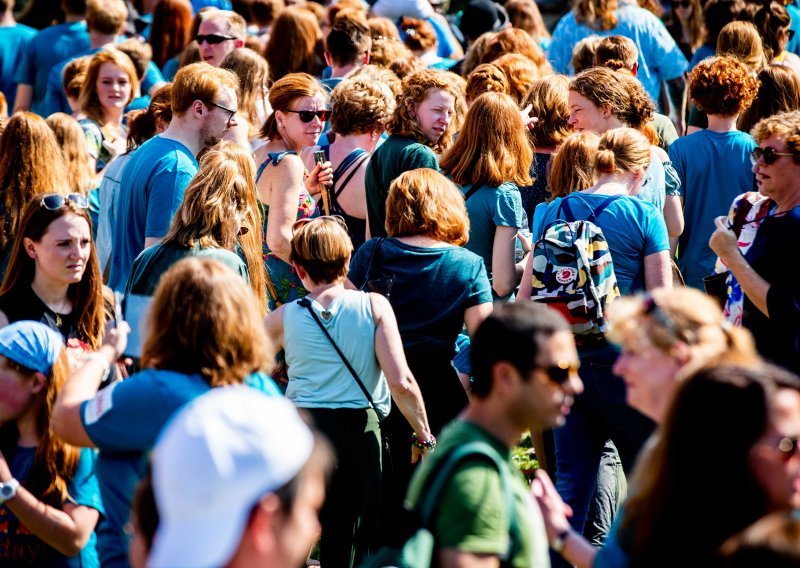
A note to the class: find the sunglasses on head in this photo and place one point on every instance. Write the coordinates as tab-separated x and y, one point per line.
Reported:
769	154
308	115
56	201
308	220
212	39
560	372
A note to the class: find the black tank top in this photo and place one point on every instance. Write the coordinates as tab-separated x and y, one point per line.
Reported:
356	227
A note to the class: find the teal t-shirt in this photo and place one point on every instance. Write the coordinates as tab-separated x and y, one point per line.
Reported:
124	421
714	167
395	156
432	288
489	208
14	41
149	266
472	516
634	229
150	191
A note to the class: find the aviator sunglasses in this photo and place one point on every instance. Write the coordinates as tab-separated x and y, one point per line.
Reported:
769	154
55	201
212	39
560	372
308	115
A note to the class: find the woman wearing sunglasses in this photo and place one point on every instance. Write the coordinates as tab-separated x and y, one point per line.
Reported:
218	218
49	496
53	276
364	329
283	183
686	25
700	481
773	22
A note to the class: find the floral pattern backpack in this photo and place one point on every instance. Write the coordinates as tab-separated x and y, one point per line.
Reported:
573	271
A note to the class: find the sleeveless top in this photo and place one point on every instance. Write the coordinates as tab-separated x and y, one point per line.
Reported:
356	228
283	285
317	376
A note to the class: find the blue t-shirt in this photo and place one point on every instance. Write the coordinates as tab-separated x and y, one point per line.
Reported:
633	229
48	48
432	289
56	99
18	547
489	208
794	43
14	42
660	58
150	191
124	421
714	167
702	52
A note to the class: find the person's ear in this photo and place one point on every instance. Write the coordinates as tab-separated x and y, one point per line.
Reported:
681	352
30	247
635	69
238	43
366	57
198	108
301	273
504	377
606	111
38	383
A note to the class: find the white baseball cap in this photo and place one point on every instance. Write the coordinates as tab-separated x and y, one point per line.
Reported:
213	463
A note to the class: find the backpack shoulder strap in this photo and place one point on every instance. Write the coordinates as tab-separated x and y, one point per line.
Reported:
438	478
471	191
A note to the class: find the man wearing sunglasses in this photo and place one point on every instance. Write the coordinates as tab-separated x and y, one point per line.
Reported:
220	32
204	103
525	376
768	272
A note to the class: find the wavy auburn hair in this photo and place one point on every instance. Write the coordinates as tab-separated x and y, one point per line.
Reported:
424	202
86	295
69	134
415	88
88	101
505	156
55	462
573	164
171	29
223	342
596	14
218	197
30	164
293	43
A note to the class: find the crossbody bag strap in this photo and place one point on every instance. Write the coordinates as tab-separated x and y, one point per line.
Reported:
306	303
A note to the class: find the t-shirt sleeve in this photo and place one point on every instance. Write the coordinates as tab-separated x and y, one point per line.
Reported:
676	160
656	237
663	52
508	211
420	156
151	77
481	289
113	419
26	72
83	488
166	194
94	139
783	305
471	518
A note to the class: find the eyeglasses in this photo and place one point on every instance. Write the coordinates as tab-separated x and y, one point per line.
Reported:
788	446
231	111
681	3
55	201
338	219
212	39
560	372
769	154
308	115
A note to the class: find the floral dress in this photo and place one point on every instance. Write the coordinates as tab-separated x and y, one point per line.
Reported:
283	285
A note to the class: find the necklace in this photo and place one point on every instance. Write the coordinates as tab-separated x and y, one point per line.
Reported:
59	322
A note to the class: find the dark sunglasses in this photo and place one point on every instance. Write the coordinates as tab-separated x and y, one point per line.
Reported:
56	201
681	3
769	154
790	33
212	39
560	372
788	446
230	111
308	115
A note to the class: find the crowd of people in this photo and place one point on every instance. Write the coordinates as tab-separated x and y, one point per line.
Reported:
288	282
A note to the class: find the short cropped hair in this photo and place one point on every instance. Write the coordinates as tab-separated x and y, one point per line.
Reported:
513	333
230	23
424	202
106	16
360	105
199	81
323	248
722	86
785	126
348	41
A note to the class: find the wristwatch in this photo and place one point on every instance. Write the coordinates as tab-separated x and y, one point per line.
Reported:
558	543
8	490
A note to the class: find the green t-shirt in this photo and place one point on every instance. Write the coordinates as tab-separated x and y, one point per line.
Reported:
156	260
471	516
395	156
665	130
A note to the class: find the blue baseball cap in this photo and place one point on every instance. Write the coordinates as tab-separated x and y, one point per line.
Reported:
31	344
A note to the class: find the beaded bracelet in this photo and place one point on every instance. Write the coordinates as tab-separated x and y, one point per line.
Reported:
423	444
